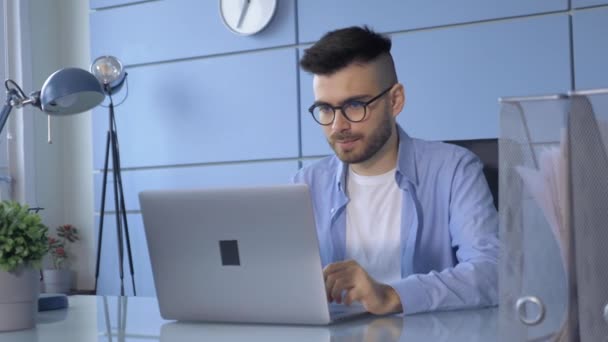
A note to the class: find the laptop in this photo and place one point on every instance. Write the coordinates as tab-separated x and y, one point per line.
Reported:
238	255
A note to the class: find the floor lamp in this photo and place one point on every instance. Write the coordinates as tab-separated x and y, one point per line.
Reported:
111	74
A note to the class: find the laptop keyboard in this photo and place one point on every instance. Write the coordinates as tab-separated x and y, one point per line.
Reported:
336	310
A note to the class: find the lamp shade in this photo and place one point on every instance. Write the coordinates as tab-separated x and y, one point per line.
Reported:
70	91
110	72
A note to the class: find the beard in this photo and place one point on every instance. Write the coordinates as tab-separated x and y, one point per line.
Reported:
371	144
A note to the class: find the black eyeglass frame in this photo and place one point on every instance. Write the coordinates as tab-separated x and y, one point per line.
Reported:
311	109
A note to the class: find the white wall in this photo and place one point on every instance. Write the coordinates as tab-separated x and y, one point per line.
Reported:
59	34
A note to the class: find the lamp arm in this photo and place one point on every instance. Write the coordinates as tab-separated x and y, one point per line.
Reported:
15	98
6	109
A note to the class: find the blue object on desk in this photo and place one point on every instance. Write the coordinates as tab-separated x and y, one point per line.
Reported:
52	301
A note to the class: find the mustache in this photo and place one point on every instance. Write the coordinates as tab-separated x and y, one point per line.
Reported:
345	136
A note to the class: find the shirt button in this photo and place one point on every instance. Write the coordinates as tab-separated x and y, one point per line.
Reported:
332	210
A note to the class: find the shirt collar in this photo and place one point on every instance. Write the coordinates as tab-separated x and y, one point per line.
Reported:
406	162
406	157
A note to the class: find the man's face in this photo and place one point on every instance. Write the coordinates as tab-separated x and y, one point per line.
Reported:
355	142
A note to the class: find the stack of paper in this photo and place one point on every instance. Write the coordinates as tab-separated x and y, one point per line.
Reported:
548	185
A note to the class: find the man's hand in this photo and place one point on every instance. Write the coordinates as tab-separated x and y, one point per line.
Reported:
349	276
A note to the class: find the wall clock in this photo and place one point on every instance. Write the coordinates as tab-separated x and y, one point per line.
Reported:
247	17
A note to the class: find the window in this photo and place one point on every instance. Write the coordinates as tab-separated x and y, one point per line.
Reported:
5	192
16	153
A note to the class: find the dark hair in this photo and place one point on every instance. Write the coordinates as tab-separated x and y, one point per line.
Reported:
339	48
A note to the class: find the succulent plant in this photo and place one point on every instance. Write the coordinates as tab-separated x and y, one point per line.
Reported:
23	237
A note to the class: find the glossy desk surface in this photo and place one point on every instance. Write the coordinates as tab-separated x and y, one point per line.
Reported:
96	318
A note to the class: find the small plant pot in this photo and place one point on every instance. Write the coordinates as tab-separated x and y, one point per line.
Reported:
57	281
18	299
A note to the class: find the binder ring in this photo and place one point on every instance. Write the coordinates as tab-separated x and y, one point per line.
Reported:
606	313
520	307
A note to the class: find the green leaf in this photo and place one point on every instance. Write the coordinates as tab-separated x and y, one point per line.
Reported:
22	236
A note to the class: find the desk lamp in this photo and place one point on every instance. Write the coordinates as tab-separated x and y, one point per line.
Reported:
66	91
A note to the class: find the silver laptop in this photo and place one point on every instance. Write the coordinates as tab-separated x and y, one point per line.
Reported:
238	255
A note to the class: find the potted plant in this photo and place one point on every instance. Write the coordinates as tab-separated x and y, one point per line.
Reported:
23	244
58	279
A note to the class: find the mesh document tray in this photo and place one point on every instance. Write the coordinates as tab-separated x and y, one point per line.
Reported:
553	173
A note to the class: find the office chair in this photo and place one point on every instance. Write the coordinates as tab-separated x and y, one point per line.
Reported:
487	151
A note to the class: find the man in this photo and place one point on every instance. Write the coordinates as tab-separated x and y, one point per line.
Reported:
404	225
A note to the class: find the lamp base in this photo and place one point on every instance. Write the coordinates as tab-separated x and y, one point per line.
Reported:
52	301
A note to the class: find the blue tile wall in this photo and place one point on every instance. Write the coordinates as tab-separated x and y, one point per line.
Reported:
315	17
207	108
587	3
98	4
310	161
238	107
179	29
210	176
227	175
109	275
590	30
453	77
314	142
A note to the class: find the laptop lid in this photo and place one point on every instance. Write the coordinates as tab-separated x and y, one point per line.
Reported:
235	255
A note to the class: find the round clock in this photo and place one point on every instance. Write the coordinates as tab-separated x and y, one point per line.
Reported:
247	17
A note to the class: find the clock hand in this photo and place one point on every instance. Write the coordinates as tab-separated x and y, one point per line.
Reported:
243	12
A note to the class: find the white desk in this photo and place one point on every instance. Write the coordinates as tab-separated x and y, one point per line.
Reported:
91	318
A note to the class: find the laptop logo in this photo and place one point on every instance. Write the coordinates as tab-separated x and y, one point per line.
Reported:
229	250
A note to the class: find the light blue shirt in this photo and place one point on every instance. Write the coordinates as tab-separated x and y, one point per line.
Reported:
450	251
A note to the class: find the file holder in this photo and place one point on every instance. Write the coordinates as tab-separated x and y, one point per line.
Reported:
553	208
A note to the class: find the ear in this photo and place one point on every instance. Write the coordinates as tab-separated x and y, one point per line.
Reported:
397	96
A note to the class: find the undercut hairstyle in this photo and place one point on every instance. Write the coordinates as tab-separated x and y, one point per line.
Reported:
338	49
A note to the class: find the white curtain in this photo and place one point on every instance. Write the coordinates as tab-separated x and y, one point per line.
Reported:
5	188
16	142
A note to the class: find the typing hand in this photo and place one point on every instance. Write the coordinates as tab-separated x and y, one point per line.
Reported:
350	277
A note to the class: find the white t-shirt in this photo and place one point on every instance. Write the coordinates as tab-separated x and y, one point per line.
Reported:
373	224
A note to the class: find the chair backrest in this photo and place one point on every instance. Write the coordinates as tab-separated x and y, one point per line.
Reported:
487	151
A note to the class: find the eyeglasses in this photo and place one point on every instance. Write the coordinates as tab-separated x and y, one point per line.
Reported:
353	110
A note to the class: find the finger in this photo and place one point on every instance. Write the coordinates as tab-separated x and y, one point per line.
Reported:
341	265
335	267
336	293
329	285
354	294
340	285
